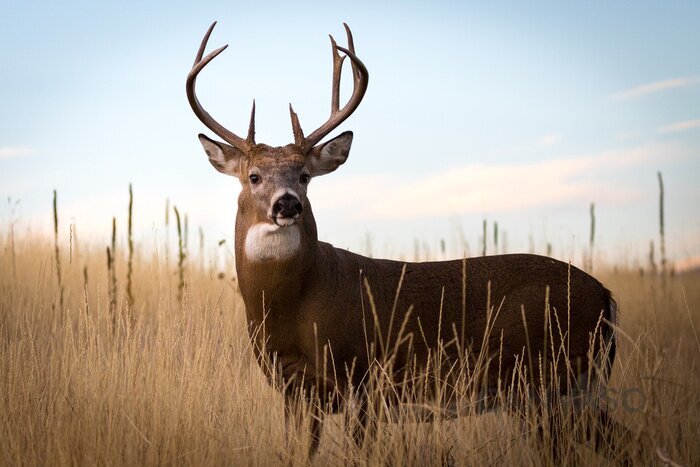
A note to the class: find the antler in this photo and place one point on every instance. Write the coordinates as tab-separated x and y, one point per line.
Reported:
203	115
360	81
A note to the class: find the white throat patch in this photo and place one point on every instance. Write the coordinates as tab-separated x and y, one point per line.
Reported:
265	242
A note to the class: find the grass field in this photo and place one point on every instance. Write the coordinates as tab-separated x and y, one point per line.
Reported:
176	383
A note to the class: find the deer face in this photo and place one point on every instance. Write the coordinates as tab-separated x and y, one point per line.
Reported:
273	202
274	180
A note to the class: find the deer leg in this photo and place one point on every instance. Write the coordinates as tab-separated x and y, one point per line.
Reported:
552	427
315	429
364	427
599	432
293	418
603	434
359	427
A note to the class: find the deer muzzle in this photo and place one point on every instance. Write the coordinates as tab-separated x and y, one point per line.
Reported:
286	209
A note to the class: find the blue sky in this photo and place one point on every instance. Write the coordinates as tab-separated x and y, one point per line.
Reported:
520	113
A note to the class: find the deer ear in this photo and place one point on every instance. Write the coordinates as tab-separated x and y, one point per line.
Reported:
225	158
327	157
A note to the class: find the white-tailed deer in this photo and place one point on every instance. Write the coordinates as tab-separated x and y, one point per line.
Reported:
326	316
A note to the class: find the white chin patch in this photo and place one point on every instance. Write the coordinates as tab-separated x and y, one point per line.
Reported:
285	221
270	242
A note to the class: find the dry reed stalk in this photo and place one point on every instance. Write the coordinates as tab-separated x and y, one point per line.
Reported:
167	212
76	243
12	236
167	233
483	251
186	232
662	245
180	258
201	247
85	291
591	240
495	238
70	260
70	244
130	261
111	267
57	252
652	261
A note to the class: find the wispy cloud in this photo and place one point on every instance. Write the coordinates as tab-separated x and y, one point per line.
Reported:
486	188
550	139
656	86
8	152
680	126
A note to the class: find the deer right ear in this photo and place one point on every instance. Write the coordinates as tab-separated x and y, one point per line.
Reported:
327	157
225	158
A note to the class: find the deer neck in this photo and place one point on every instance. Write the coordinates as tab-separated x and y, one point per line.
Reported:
272	262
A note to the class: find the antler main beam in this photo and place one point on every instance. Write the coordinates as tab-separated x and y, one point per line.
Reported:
338	116
203	115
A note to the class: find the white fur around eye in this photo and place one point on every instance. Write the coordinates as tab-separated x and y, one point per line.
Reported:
270	242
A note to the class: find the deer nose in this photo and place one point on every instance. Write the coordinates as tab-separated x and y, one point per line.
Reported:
286	206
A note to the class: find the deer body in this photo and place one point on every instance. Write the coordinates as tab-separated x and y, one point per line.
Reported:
319	297
325	315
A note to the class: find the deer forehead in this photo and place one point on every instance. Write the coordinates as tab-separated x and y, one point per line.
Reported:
263	155
274	166
274	163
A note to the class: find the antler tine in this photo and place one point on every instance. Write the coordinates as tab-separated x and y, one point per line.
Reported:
251	126
351	47
360	82
203	115
296	127
337	68
203	44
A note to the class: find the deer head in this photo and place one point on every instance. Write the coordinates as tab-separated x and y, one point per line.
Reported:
274	179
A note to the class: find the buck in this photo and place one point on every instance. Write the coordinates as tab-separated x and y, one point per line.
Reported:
302	294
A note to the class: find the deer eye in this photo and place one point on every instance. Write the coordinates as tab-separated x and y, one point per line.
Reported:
254	179
304	179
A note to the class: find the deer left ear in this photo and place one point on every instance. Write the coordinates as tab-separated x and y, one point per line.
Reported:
225	158
327	157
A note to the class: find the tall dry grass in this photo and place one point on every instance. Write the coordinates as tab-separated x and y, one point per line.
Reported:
180	386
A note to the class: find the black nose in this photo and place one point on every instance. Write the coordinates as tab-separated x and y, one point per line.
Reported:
286	206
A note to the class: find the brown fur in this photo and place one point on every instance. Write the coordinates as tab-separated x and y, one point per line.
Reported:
319	296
